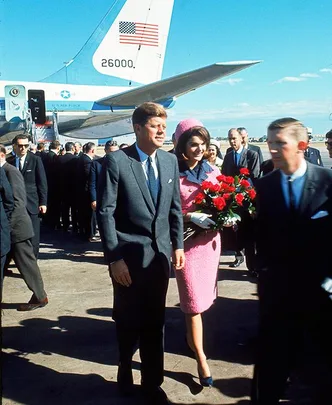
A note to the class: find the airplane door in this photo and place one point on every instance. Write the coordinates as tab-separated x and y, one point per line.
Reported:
15	102
36	103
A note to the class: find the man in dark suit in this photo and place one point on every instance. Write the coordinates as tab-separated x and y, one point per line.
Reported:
21	234
33	172
86	216
312	155
245	141
67	168
95	173
140	219
294	222
41	151
52	217
6	209
239	157
78	149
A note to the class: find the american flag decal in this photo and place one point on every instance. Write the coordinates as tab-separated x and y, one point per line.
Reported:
135	33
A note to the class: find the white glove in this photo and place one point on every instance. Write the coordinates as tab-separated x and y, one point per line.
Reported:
202	220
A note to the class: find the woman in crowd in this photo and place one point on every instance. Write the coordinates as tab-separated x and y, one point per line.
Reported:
197	282
214	154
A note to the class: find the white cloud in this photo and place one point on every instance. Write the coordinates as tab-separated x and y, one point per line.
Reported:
267	112
326	70
309	75
231	82
291	79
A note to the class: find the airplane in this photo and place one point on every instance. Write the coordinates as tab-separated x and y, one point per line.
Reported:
128	48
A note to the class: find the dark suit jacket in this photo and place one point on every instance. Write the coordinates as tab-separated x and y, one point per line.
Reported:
131	227
249	159
6	209
67	167
266	167
313	156
51	169
94	176
35	182
42	154
82	174
20	223
255	148
287	245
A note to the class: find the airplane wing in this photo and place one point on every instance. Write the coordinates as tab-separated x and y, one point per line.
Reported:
175	86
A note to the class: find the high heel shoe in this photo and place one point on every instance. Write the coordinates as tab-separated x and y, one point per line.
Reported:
205	381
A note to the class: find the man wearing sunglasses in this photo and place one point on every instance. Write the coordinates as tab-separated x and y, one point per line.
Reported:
33	172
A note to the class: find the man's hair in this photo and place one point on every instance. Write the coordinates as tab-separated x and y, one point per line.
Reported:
2	148
242	129
328	134
201	132
40	146
69	146
54	145
89	146
299	131
21	136
233	129
78	143
145	111
110	143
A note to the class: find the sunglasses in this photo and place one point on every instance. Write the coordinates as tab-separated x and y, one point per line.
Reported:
25	145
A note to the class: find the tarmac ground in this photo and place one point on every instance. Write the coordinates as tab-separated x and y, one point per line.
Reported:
66	352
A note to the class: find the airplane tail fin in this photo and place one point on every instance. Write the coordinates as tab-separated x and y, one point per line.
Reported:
128	44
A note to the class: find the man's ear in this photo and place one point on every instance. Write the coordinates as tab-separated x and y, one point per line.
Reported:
302	145
137	128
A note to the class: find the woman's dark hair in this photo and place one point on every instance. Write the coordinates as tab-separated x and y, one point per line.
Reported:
201	132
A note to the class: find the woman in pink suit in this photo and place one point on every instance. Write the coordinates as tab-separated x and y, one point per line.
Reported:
197	281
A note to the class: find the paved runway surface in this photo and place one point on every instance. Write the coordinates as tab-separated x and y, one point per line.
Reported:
66	352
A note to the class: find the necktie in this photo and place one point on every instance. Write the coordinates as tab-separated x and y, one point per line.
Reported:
152	181
292	202
20	164
236	158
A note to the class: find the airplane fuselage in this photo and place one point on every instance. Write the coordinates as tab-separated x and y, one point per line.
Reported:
74	105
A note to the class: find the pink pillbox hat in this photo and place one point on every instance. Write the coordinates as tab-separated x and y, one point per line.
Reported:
184	125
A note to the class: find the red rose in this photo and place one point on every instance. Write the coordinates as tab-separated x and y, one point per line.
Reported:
239	199
244	171
221	178
206	185
244	183
230	189
219	203
251	193
229	179
215	188
227	196
199	198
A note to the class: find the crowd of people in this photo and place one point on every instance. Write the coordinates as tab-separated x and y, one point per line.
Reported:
140	198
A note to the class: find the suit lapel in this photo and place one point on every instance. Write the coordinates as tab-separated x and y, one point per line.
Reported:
243	159
164	170
136	167
312	188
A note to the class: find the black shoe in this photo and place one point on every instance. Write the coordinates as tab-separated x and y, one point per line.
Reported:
237	262
155	395
125	380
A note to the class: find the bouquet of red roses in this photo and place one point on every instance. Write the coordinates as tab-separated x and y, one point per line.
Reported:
224	201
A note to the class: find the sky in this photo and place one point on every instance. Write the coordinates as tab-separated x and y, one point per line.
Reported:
293	38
